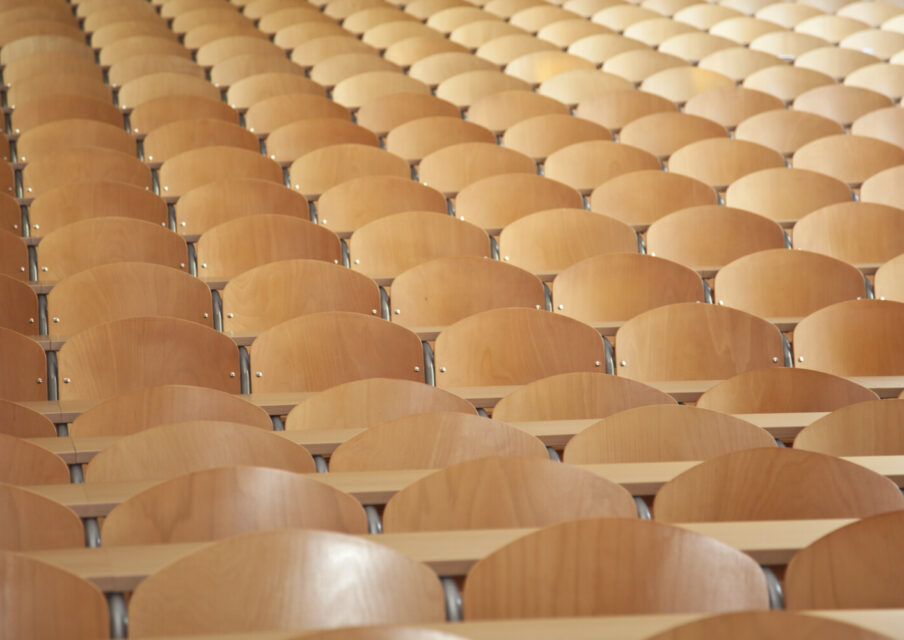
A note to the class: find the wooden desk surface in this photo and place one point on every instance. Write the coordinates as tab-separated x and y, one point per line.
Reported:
449	553
92	500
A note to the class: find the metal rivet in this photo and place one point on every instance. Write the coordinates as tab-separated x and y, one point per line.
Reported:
880	298
537	307
251	129
398	311
622	363
335	262
232	374
24	159
505	258
166	188
29	189
259	374
21	268
15	226
181	265
323	221
66	381
182	224
357	261
206	315
40	380
272	157
135	129
229	315
44	269
56	319
373	312
150	158
31	321
561	306
800	358
203	265
597	363
442	369
721	302
296	186
416	368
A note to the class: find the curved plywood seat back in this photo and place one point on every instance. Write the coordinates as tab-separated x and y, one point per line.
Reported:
452	168
83	165
514	346
434	69
855	567
264	296
272	113
80	201
720	161
220	588
775	484
22	422
781	389
196	167
614	108
586	165
164	83
37	44
126	354
61	62
782	283
574	396
141	65
432	441
167	451
223	200
123	290
637	567
849	158
618	286
18	306
383	114
446	290
24	463
219	503
47	139
542	135
107	35
320	350
853	338
92	242
50	108
504	492
173	138
291	141
371	401
496	201
24	374
361	88
140	409
786	130
356	202
660	433
665	132
857	232
155	113
575	86
10	215
316	171
748	625
29	521
888	281
802	192
139	45
263	239
467	88
417	138
873	428
691	341
71	607
498	111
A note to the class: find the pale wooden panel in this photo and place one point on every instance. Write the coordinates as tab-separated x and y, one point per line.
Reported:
786	194
156	85
30	521
18	306
196	167
50	138
386	112
23	376
161	111
326	167
862	429
24	463
496	201
171	139
356	202
20	421
85	164
640	198
749	625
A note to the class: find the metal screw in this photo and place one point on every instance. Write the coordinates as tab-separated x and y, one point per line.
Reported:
622	363
800	358
597	363
229	315
774	358
56	319
40	380
66	380
442	369
561	306
259	374
182	224
206	315
232	374
203	265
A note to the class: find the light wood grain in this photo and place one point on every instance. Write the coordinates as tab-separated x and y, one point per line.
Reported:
193	168
865	428
767	624
20	304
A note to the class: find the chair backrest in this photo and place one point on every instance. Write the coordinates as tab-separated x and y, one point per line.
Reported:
575	86
133	411
318	170
467	88
498	111
720	161
586	165
22	422
665	132
514	346
857	232
356	91
164	110
62	107
415	139
767	625
263	239
221	587
171	139
82	200
494	202
85	164
320	350
716	343
540	136
661	433
195	168
680	84
782	283
23	375
383	114
47	139
852	338
270	114
123	290
129	353
25	463
138	66
446	290
802	191
872	428
784	81
293	140
786	130
218	503
167	451
842	103
29	521
641	197
70	607
855	567
504	492
452	168
849	158
637	567
618	286
164	83
438	67
783	389
432	441
10	216
732	105
775	484
18	306
888	281
615	108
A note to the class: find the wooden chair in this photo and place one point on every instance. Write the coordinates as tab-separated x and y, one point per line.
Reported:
32	522
654	31
888	281
465	89
504	492
496	201
540	66
87	243
423	9
716	343
156	85
197	167
70	606
446	290
552	240
37	44
786	130
389	588
452	168
542	135
383	36
620	17
882	188
292	35
541	574
312	52
514	346
836	62
533	19
873	14
619	286
783	389
295	139
113	14
213	504
223	200
599	47
145	407
705	16
253	89
636	65
405	53
640	198
171	139
20	421
361	88
158	112
505	49
787	82
748	625
365	19
841	102
25	463
270	114
774	484
356	202
122	290
63	63
661	433
693	47
23	378
856	566
586	165
139	352
738	62
203	16
743	29
856	232
111	33
474	34
138	66
578	85
39	142
18	306
507	8
680	84
39	26
392	244
432	441
731	106
320	350
138	45
418	138
439	67
883	42
213	53
885	124
718	162
333	70
47	84
83	164
264	296
664	133
871	428
326	167
499	111
10	219
50	108
849	158
198	36
383	114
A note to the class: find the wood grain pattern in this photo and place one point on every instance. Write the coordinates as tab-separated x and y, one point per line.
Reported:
83	165
47	139
586	165
50	108
25	463
415	139
158	112
453	168
318	170
293	140
155	85
851	159
718	162
24	374
171	139
22	422
19	308
385	113
498	111
272	113
857	232
194	168
29	521
748	625
863	429
787	130
665	132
